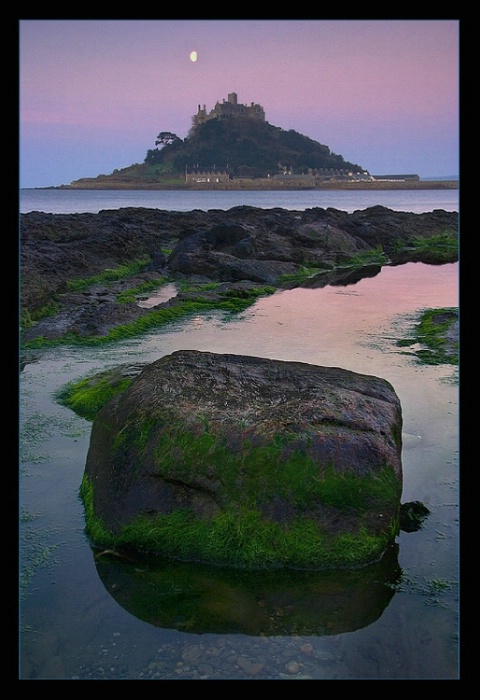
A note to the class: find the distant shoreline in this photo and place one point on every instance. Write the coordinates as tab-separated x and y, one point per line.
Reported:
270	186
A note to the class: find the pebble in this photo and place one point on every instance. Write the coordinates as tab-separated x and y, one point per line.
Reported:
292	667
252	668
224	658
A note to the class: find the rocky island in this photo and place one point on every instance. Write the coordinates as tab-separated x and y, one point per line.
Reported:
233	147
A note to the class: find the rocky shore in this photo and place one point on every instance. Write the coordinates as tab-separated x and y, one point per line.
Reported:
215	257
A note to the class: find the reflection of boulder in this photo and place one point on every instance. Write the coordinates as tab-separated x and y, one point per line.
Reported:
201	599
248	462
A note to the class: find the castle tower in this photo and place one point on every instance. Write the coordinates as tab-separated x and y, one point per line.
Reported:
229	109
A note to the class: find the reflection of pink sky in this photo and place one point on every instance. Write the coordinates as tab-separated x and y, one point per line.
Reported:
329	320
390	292
356	86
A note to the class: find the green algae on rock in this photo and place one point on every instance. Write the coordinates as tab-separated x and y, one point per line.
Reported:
247	462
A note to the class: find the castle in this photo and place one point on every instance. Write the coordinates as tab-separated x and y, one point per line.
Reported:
229	109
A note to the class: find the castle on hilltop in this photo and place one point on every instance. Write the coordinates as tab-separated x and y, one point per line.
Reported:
229	109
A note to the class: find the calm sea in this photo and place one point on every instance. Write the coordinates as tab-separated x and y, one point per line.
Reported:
72	201
87	615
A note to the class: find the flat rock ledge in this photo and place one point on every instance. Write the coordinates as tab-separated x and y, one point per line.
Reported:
247	462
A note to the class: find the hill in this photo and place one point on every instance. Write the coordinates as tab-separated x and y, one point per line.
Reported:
248	148
239	147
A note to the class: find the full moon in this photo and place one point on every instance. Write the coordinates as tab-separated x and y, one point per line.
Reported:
193	56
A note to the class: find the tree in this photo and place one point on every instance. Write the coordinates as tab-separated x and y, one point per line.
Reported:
166	138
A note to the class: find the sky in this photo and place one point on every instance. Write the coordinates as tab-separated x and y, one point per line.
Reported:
94	94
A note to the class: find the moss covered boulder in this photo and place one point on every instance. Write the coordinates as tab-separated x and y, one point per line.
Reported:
249	462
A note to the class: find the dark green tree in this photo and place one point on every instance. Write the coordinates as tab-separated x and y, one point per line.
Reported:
166	138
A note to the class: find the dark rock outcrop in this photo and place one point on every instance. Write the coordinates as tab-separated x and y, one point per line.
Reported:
226	435
243	244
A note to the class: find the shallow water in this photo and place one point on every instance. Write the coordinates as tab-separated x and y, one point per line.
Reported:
159	296
87	618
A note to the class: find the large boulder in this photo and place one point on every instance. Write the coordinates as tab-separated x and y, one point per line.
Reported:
248	462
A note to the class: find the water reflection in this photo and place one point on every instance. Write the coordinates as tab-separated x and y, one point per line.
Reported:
341	278
162	294
202	599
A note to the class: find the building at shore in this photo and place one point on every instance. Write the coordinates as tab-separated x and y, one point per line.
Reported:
206	177
396	178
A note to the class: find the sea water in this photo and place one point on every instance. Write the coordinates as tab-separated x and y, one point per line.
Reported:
73	201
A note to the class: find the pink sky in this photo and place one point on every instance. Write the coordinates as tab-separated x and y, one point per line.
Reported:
94	94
